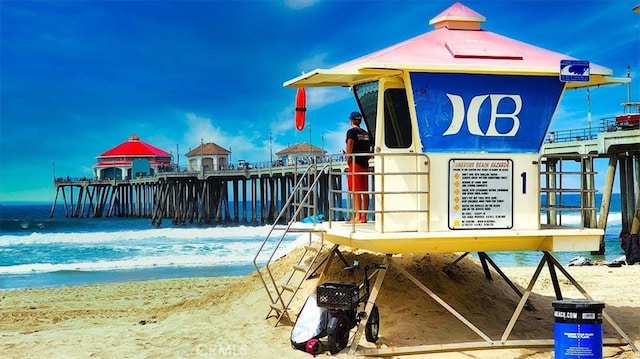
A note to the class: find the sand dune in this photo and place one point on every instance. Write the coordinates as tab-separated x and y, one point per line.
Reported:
225	317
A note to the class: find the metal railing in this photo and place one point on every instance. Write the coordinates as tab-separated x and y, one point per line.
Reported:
607	124
307	184
383	196
559	185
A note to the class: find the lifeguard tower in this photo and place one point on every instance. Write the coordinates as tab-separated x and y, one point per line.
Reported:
459	115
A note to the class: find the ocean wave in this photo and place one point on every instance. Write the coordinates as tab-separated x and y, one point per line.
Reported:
575	219
136	235
134	263
571	219
231	253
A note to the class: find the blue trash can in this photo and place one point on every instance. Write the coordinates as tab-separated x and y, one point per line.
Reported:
577	329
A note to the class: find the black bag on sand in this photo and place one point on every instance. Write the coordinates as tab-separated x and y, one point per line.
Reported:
311	324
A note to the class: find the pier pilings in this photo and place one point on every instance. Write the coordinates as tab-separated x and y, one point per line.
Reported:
622	149
214	197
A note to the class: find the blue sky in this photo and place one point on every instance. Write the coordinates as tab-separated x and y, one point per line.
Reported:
77	78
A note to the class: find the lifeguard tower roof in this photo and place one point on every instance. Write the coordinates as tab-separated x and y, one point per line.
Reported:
457	44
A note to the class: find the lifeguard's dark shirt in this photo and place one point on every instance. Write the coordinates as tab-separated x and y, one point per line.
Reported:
361	144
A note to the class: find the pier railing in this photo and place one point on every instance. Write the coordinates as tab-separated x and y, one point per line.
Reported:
186	196
607	124
562	183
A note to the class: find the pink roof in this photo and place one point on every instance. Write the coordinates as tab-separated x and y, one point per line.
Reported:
457	44
460	14
133	147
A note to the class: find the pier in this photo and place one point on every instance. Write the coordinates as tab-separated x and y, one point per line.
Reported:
257	195
580	148
245	195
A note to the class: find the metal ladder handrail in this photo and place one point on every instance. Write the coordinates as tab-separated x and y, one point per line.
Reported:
285	208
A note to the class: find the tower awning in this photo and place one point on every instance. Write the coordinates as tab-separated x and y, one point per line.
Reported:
456	45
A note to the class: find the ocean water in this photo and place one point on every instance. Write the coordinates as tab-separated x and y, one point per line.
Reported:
37	251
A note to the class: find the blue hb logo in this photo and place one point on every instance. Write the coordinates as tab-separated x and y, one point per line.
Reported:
472	115
483	113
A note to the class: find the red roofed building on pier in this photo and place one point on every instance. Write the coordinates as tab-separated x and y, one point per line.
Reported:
132	158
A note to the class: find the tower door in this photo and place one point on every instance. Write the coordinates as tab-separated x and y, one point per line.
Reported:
401	170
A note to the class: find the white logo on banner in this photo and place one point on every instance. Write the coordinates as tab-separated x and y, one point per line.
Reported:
459	115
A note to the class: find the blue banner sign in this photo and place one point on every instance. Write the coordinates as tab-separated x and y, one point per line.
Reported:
574	70
475	113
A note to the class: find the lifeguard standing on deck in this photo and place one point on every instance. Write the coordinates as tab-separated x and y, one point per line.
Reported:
358	148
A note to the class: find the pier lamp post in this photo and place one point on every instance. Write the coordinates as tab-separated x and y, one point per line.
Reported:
629	83
310	155
202	156
589	111
270	151
322	139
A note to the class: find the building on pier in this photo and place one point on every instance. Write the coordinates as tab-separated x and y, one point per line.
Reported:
132	159
301	153
208	157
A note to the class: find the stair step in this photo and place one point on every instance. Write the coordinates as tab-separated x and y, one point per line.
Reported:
306	230
289	288
301	268
277	307
312	248
309	206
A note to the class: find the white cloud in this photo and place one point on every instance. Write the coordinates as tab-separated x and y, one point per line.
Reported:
200	128
335	140
317	61
284	121
242	145
318	97
300	4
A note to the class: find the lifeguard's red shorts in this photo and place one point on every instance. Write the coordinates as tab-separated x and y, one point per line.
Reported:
357	178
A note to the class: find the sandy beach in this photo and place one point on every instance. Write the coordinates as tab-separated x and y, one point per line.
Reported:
225	317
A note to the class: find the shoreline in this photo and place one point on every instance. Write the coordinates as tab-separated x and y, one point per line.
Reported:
225	316
74	277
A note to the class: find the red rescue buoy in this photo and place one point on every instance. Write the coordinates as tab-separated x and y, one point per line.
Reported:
301	108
